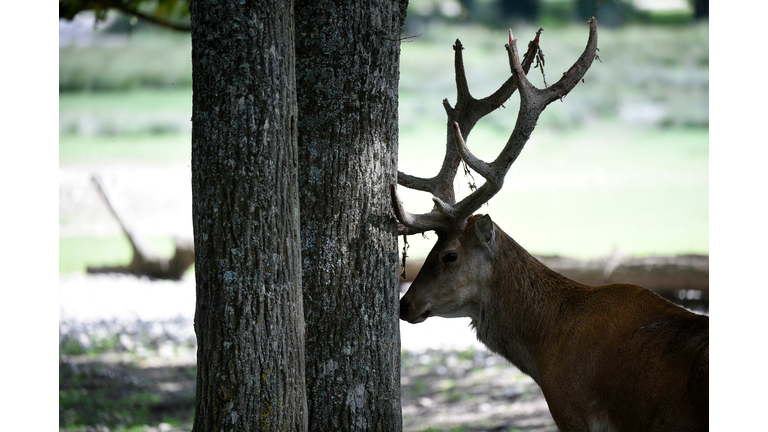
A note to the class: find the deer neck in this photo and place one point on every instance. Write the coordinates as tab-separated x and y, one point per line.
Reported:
522	306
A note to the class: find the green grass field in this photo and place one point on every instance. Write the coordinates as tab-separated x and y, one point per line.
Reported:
76	253
594	176
585	191
140	147
578	193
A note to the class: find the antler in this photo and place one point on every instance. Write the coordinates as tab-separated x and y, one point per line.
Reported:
448	215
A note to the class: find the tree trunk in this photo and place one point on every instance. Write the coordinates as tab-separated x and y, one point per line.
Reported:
701	9
249	318
347	70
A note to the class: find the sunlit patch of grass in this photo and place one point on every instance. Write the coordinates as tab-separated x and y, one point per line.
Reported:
134	147
141	111
139	100
585	191
77	253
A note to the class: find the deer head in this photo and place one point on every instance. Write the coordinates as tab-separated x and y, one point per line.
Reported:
461	262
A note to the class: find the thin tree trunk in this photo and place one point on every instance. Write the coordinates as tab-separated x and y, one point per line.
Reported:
347	72
249	318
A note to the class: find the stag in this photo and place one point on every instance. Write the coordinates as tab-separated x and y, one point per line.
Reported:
616	357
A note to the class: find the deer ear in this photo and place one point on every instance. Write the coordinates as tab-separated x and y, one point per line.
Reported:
484	229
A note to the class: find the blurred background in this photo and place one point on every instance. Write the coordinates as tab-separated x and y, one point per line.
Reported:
620	166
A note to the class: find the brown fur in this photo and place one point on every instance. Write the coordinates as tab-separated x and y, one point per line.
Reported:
612	358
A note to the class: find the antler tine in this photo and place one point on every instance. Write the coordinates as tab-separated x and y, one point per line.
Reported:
494	179
534	100
579	68
413	224
441	186
532	103
468	111
490	103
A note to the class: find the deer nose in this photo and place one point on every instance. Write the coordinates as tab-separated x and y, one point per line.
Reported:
403	309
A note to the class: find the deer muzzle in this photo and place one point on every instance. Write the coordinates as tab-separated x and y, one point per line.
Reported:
413	313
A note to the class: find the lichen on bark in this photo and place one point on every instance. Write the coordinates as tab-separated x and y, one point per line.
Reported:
347	73
249	315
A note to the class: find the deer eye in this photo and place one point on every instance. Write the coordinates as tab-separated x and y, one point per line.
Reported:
450	257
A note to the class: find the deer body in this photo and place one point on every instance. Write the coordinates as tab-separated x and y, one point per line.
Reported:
615	358
608	358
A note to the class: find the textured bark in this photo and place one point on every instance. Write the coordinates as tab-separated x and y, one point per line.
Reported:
249	317
347	70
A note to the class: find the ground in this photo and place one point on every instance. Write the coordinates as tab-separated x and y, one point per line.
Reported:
479	392
129	364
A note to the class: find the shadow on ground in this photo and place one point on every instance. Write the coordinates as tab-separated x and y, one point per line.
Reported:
110	391
468	390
